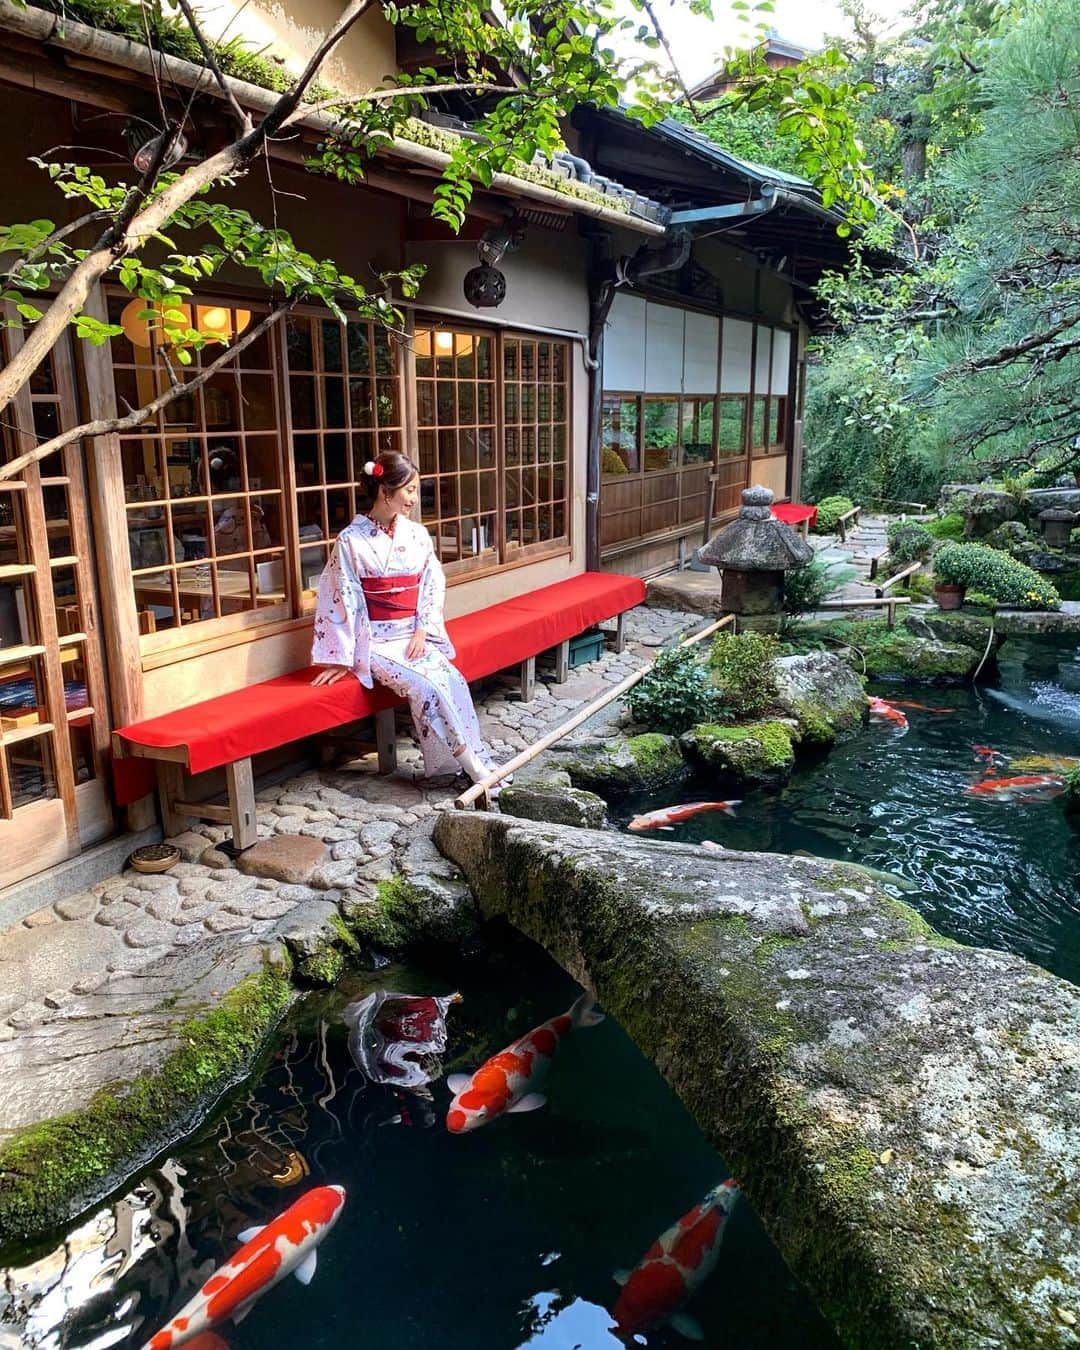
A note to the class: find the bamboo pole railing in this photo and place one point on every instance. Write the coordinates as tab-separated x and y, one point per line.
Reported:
481	791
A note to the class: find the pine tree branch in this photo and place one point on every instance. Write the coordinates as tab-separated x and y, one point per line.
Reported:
1005	355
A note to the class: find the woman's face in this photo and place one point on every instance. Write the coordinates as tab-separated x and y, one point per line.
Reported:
402	500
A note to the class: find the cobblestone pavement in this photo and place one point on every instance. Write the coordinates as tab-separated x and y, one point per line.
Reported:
363	829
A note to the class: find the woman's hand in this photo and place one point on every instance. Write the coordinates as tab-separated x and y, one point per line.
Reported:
331	674
417	645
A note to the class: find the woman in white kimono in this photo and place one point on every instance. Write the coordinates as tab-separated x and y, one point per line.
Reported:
380	616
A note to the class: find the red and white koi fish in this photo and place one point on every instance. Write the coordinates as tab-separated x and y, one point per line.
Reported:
920	707
669	816
674	1268
1029	785
208	1340
880	708
505	1082
711	846
282	1247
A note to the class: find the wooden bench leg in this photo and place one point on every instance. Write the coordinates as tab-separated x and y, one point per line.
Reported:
386	740
528	679
562	662
241	785
620	633
170	781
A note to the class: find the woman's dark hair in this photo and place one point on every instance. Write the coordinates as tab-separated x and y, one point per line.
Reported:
391	471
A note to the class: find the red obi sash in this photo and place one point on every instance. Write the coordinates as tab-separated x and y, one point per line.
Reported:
390	598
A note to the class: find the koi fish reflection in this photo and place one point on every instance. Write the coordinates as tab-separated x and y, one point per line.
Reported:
397	1039
270	1252
504	1083
674	1269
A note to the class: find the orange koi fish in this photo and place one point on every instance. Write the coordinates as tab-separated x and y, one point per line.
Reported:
674	1268
504	1083
669	816
921	707
1029	785
880	708
283	1247
208	1340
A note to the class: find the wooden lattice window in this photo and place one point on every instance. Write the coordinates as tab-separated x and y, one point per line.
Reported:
731	433
537	437
203	478
345	407
494	472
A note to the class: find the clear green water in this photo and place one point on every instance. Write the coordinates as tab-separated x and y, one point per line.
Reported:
502	1238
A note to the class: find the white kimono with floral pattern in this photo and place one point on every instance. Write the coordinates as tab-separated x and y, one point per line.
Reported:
437	694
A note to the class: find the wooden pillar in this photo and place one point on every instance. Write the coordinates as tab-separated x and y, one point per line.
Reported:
562	662
109	520
386	740
528	679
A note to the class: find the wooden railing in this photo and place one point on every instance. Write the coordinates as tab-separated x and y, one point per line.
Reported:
481	792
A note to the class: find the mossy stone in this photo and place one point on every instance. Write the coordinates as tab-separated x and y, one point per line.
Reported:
554	802
754	754
628	765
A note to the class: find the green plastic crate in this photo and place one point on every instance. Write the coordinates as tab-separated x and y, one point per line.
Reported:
587	646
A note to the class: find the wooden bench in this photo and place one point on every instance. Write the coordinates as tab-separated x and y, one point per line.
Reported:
803	518
228	731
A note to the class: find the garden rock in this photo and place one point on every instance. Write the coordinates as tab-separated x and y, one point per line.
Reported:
313	933
754	754
822	693
983	508
555	801
627	765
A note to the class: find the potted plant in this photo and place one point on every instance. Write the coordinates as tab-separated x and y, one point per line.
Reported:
950	579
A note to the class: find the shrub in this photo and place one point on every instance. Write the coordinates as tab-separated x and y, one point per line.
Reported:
995	574
742	670
611	461
908	541
829	511
676	694
806	587
947	527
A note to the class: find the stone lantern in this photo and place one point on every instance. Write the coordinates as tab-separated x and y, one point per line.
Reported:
752	553
1057	525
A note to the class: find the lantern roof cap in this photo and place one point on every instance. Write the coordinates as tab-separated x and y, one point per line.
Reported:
755	541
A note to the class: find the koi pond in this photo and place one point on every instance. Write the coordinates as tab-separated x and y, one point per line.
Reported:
503	1237
997	868
511	1235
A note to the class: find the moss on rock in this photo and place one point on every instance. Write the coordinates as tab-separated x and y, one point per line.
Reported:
627	765
823	694
884	653
755	753
51	1171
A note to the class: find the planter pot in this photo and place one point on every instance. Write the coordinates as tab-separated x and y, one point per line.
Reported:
949	596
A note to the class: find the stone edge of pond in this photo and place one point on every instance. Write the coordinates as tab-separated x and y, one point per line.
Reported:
900	1108
53	1171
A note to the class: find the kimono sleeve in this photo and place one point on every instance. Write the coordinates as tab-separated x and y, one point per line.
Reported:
342	633
431	598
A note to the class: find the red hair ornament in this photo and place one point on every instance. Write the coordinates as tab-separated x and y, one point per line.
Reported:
373	469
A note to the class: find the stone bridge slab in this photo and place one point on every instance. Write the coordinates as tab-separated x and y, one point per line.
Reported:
901	1110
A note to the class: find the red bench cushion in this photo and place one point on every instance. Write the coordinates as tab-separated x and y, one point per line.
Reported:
791	513
288	708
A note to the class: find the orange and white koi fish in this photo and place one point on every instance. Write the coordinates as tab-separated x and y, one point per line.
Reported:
283	1247
208	1340
1029	785
669	816
988	754
920	707
880	708
674	1268
505	1082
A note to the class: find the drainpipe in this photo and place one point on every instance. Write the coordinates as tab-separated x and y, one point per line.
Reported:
605	277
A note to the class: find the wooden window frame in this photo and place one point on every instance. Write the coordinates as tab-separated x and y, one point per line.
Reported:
505	554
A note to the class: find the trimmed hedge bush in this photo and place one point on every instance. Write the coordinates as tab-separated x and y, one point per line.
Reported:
829	511
995	574
908	541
